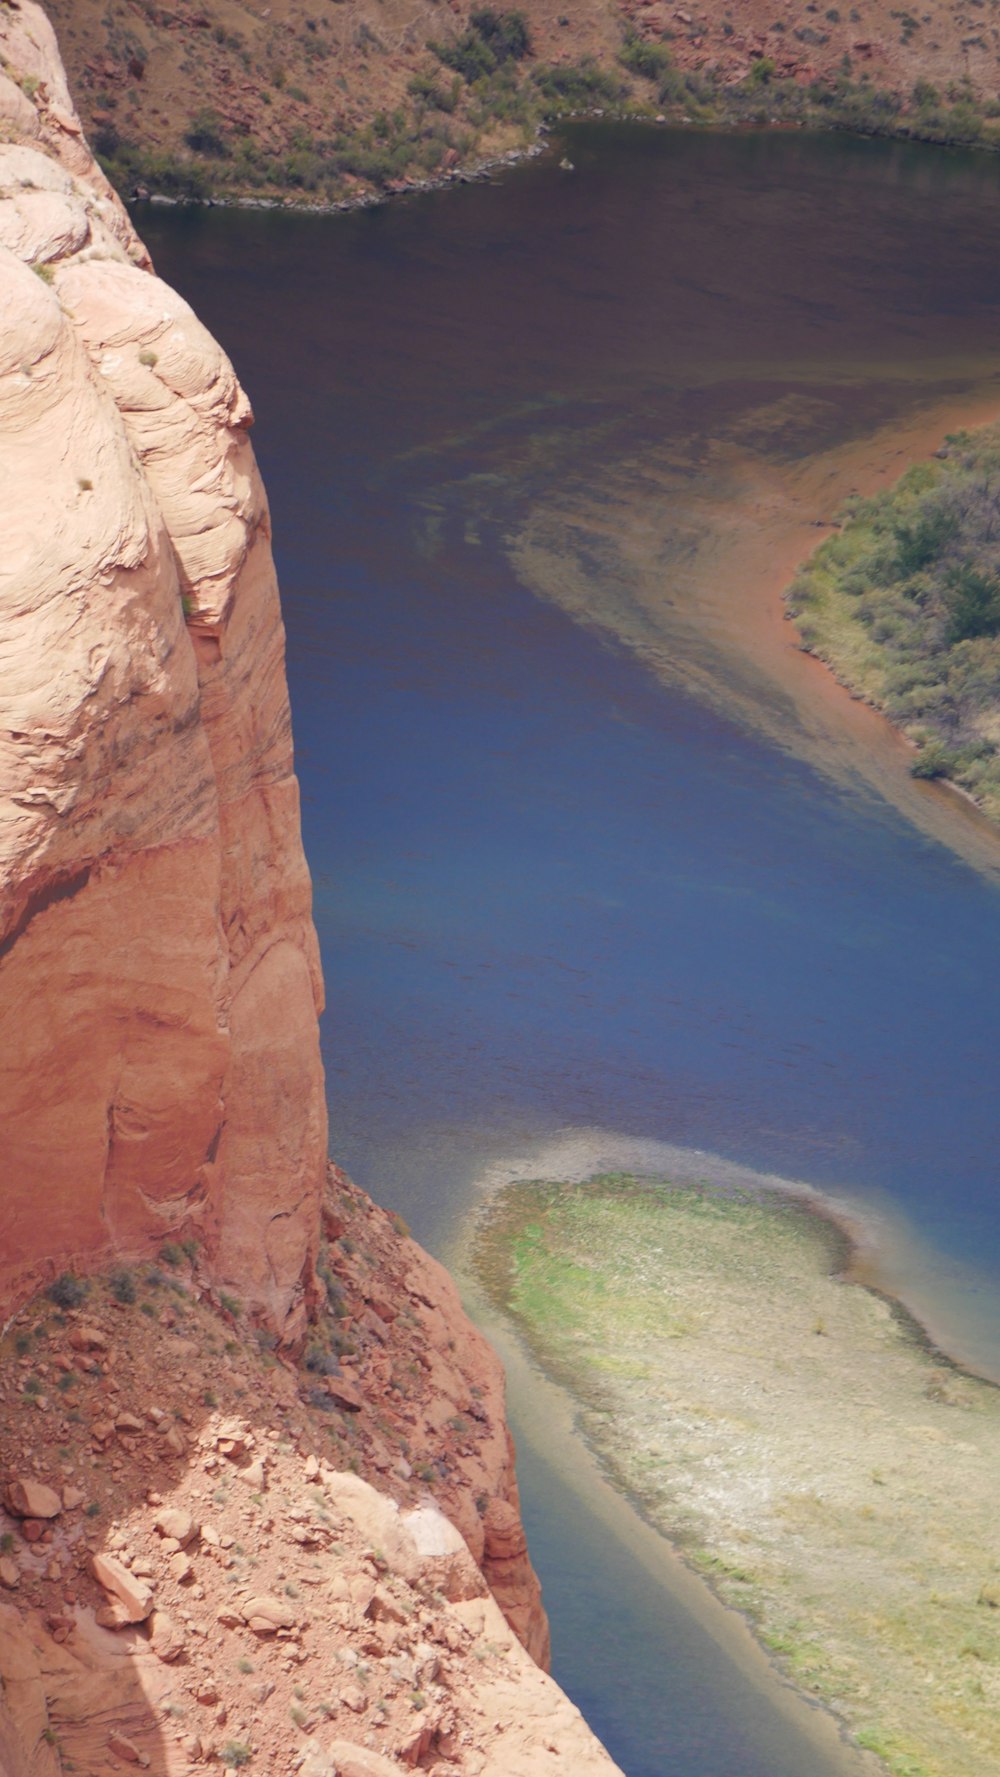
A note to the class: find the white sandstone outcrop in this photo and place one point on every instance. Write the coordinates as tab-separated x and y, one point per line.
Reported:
159	977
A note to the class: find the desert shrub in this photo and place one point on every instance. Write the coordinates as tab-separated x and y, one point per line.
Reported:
321	1362
121	1283
205	134
650	61
68	1291
577	87
492	39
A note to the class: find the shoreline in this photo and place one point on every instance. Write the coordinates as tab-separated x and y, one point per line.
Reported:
476	174
544	1417
873	1366
478	170
878	1248
752	528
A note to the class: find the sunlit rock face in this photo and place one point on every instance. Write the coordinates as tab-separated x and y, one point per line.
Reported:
159	974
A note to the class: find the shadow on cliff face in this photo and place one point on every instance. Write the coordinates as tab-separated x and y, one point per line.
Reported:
195	1566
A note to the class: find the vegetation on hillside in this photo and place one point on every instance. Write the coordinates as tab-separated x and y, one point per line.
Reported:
904	603
485	91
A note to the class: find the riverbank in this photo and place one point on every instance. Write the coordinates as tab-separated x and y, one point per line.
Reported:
240	101
704	601
904	606
795	1436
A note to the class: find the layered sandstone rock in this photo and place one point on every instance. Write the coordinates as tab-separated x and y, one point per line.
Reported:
159	979
160	1075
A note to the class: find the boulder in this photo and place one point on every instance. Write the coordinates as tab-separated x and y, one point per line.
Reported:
344	1394
166	1637
175	1522
357	1761
32	1499
131	1598
266	1615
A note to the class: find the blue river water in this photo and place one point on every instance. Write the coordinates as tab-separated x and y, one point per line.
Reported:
552	893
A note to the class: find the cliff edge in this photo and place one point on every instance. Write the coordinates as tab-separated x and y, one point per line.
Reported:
159	972
257	1493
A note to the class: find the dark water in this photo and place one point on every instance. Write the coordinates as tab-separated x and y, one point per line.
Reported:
550	892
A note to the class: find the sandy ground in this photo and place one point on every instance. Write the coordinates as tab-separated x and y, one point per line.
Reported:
695	585
794	1434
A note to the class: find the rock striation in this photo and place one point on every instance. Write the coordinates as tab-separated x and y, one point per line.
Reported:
159	975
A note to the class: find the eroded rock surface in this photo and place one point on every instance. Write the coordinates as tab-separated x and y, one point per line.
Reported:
159	978
232	1529
281	1574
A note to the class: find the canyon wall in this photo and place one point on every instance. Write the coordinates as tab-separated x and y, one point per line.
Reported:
159	975
329	1495
324	102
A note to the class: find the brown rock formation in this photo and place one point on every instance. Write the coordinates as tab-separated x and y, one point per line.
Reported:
159	980
160	1076
431	1375
281	1575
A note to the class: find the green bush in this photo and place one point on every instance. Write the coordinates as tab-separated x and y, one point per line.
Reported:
578	87
650	61
933	760
492	39
68	1291
206	135
972	602
425	89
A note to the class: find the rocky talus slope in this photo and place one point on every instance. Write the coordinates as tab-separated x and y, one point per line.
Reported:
257	1497
212	1556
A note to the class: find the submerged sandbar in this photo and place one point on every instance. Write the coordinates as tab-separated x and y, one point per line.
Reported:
795	1435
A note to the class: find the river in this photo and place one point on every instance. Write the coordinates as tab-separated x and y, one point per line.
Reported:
604	869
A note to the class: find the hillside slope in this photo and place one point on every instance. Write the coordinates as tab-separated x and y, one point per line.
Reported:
325	101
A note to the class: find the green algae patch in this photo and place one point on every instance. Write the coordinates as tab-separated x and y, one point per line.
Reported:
793	1434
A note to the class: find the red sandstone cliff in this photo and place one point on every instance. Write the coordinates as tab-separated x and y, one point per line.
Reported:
159	981
171	1496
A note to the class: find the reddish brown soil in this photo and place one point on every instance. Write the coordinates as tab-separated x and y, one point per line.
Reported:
225	1480
294	70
